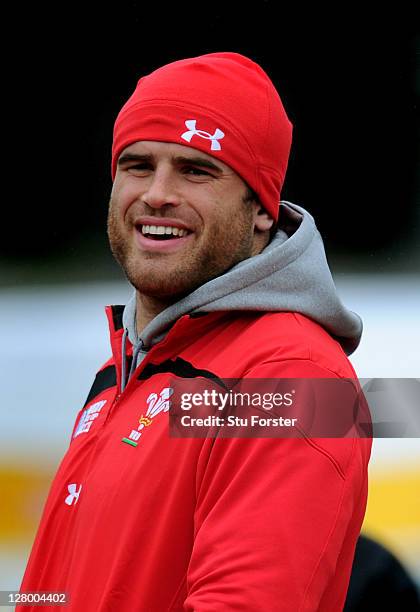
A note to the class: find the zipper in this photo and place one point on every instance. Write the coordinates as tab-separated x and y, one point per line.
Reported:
179	323
129	377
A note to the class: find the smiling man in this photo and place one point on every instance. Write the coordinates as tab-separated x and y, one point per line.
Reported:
229	283
172	213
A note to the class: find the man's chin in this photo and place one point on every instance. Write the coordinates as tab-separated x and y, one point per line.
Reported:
160	290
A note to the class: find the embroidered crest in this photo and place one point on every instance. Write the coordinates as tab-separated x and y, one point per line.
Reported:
156	404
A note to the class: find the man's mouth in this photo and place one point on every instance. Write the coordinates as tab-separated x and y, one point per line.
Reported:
162	232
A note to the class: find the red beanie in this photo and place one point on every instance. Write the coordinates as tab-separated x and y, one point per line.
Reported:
223	104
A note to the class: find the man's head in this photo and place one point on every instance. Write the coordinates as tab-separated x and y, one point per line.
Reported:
202	143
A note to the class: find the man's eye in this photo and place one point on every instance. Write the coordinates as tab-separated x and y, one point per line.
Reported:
139	167
196	171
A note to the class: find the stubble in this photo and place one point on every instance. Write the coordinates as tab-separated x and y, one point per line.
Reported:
176	275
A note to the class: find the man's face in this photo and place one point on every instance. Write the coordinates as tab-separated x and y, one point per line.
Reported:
177	218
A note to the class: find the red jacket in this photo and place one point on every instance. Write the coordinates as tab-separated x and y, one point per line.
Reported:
203	524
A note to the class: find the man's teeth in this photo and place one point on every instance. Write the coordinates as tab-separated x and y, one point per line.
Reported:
163	229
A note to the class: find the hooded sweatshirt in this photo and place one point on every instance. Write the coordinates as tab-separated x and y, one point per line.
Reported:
290	275
138	519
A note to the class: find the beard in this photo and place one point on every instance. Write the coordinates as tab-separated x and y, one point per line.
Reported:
223	243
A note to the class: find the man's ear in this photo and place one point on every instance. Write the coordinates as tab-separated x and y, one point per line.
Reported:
262	220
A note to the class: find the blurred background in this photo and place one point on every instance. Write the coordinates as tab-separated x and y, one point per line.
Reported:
350	84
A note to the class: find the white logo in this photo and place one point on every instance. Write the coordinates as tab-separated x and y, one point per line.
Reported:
73	496
155	404
87	418
218	134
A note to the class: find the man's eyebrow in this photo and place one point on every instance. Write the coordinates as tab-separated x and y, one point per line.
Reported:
179	159
130	157
198	161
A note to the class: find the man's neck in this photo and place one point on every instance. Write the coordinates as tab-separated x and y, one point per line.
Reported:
147	308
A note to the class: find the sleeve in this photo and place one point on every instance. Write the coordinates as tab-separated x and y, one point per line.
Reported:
277	520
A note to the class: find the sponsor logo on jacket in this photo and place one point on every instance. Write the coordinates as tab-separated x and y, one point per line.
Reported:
88	417
73	494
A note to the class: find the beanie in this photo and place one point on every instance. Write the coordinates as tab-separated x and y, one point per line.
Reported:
222	104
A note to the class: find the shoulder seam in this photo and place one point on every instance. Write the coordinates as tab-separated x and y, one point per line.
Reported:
293	359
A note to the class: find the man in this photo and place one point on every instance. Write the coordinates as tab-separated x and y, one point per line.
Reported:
139	520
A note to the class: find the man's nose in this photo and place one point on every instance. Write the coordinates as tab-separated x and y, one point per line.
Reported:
161	190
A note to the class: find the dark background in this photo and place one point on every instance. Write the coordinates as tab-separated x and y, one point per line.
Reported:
347	80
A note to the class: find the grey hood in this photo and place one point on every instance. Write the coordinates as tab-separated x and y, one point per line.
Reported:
290	274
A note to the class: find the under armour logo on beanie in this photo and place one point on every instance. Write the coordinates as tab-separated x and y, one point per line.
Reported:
231	110
218	134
